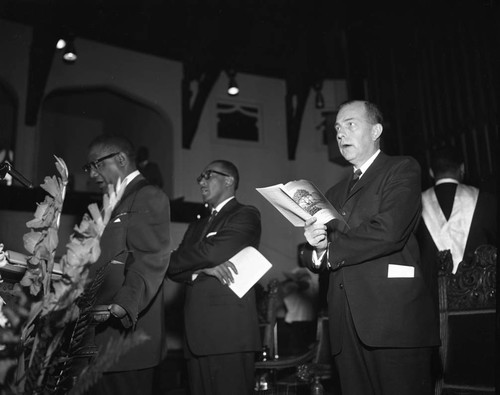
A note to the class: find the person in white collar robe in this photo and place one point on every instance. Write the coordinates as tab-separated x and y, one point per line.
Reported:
455	216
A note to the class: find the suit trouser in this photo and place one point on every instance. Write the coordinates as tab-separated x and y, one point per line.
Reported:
367	370
225	374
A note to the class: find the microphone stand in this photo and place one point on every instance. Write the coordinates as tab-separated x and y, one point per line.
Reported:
6	167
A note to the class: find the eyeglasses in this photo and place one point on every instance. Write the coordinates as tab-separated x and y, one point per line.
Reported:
208	173
96	164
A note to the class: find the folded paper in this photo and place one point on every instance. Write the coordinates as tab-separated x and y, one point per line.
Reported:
251	266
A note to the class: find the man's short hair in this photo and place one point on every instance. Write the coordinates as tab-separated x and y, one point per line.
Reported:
231	169
373	113
115	143
142	154
445	160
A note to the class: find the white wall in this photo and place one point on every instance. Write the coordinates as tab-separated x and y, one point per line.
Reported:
157	81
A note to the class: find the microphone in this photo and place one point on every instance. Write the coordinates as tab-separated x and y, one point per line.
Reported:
6	167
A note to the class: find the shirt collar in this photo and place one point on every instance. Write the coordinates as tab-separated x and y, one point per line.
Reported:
364	167
128	179
222	204
446	181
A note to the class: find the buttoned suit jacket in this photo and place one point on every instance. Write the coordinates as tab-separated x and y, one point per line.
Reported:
382	211
483	230
216	320
135	250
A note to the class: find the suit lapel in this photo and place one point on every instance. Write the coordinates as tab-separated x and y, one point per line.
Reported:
219	218
375	167
136	184
218	221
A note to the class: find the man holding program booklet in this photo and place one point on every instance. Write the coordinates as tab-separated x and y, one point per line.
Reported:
381	318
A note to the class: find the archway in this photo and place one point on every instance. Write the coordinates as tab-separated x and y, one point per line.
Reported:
71	118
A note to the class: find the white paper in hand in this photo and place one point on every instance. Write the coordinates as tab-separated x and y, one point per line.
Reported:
251	266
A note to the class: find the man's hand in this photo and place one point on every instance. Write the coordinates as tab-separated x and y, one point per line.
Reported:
222	272
316	235
117	311
101	313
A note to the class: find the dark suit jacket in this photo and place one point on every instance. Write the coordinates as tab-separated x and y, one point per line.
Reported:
382	211
216	320
483	230
137	243
151	172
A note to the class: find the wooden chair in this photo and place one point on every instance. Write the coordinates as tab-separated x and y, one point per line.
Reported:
298	369
467	310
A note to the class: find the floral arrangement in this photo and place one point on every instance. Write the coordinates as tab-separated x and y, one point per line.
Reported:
41	325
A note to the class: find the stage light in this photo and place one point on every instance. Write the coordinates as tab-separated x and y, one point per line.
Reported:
320	100
232	89
61	43
70	55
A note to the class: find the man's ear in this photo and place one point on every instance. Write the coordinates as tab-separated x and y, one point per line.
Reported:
122	159
229	181
462	169
377	131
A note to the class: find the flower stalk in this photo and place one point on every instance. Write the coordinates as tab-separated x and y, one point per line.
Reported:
46	302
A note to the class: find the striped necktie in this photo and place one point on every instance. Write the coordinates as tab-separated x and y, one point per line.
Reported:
355	178
210	220
212	216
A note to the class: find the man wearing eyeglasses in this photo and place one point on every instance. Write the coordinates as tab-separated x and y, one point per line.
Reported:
135	248
221	330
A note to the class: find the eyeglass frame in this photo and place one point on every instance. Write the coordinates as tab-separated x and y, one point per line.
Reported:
87	167
207	174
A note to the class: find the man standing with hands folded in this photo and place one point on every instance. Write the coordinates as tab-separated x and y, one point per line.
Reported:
221	329
382	323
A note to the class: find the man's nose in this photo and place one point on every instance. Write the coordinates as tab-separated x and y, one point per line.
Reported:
340	132
93	173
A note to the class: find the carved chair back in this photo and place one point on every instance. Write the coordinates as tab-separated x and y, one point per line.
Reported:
467	312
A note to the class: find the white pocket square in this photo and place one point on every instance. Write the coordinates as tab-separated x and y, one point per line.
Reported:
211	234
117	220
400	271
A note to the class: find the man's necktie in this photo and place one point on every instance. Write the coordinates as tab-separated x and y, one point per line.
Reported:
212	216
210	219
355	178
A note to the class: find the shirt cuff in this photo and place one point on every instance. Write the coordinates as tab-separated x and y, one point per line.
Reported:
318	259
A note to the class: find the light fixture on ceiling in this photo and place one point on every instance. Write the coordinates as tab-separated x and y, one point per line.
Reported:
61	43
70	55
319	100
232	88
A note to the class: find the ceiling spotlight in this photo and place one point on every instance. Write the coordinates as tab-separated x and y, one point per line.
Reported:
320	100
61	43
232	89
69	55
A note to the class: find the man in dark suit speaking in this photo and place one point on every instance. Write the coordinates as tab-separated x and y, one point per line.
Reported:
382	323
135	248
221	330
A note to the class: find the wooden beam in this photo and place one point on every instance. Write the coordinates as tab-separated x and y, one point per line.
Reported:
193	101
297	91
